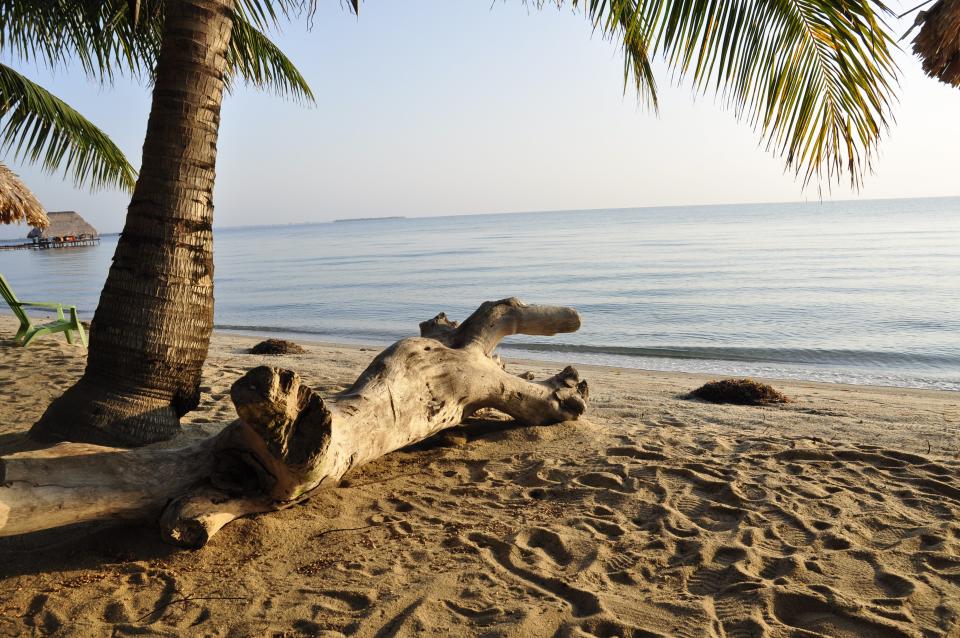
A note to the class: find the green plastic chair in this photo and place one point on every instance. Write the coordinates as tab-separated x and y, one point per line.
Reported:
29	331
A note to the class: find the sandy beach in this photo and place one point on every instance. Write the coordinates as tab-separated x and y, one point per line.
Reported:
835	515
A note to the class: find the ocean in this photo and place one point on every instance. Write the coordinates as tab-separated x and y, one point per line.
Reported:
861	292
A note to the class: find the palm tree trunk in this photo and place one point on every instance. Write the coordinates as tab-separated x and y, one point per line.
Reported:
152	328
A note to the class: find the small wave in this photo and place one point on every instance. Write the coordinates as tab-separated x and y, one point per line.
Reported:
870	358
876	359
364	336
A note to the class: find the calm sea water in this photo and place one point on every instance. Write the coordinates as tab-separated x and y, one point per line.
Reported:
857	292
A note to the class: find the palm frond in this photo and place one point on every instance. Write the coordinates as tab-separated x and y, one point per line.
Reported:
99	34
261	63
621	21
816	78
37	126
265	14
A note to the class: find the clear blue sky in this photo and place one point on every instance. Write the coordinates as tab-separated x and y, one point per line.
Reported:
432	107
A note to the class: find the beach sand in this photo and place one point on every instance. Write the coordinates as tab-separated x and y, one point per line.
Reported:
835	515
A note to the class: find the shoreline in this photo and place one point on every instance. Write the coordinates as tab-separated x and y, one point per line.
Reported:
8	323
255	336
559	357
940	409
228	351
782	371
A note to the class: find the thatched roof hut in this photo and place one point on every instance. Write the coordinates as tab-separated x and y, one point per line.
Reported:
17	202
938	42
65	223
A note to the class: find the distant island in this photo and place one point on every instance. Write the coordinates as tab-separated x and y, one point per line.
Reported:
366	219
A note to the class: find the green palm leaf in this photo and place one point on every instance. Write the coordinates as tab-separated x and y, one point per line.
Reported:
40	127
97	33
261	63
815	77
619	21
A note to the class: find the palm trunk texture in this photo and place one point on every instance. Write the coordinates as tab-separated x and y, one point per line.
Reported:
152	328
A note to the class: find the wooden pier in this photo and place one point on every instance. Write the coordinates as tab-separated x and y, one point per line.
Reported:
45	244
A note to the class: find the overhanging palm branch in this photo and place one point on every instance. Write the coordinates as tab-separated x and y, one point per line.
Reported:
40	127
815	77
258	61
55	32
266	13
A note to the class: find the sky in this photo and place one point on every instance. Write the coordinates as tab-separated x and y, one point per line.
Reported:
433	107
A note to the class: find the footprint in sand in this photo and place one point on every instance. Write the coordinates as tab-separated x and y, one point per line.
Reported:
783	568
342	601
945	566
607	628
602	511
604	481
39	616
401	506
802	611
480	617
708	580
621	562
549	542
636	453
500	556
835	542
605	529
788	527
729	554
894	585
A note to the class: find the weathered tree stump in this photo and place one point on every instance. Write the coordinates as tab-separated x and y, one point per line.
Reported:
288	441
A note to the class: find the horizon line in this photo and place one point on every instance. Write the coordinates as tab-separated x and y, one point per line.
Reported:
571	210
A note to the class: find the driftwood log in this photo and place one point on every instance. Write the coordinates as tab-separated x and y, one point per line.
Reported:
289	441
